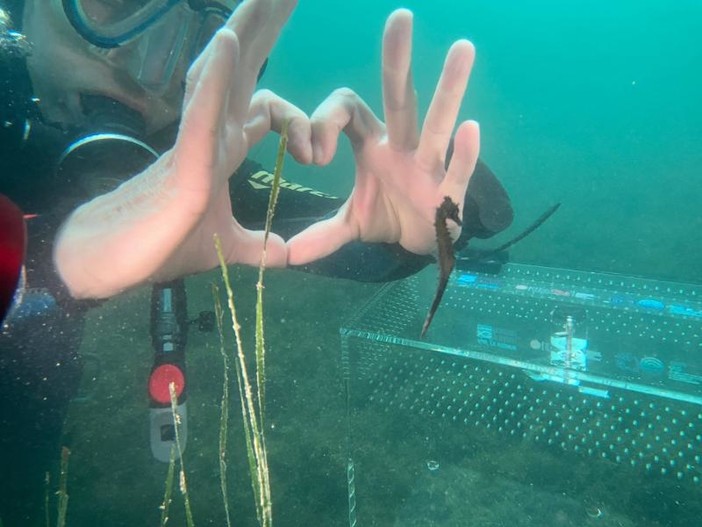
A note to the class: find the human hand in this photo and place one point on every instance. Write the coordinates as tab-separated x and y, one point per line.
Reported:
160	224
400	174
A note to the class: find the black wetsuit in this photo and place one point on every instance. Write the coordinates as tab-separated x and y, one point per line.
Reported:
39	363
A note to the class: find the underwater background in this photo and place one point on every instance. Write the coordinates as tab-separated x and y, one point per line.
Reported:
592	104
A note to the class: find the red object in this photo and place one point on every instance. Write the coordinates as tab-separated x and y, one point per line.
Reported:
13	238
160	378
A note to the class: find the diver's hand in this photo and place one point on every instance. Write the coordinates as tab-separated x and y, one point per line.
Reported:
400	175
160	224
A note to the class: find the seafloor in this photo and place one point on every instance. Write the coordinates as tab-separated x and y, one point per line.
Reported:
410	470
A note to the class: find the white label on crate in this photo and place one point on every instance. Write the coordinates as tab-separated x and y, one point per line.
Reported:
495	337
597	392
574	358
677	373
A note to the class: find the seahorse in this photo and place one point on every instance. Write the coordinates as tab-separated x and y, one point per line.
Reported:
448	210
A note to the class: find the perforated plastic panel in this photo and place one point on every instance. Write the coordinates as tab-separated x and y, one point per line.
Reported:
488	361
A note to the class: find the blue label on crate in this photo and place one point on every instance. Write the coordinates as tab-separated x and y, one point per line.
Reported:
685	311
467	279
651	303
621	300
479	282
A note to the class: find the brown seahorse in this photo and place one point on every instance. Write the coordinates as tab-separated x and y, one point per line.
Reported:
448	210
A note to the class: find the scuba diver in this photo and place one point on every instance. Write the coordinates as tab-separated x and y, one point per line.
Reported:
126	127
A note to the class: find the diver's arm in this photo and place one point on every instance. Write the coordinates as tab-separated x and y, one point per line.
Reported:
161	223
400	173
487	211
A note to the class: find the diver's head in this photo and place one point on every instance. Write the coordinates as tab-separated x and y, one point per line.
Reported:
133	53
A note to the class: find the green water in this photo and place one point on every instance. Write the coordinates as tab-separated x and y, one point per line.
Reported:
594	104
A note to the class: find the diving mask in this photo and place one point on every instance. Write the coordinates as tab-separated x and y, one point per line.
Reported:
159	34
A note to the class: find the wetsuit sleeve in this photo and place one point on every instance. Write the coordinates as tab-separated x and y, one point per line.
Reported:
28	178
56	190
487	211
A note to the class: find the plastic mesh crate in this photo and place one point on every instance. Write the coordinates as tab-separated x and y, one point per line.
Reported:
596	365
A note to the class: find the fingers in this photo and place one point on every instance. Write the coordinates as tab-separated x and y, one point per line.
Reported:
465	156
221	81
257	24
444	107
268	112
207	94
399	97
248	249
320	240
342	110
249	17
